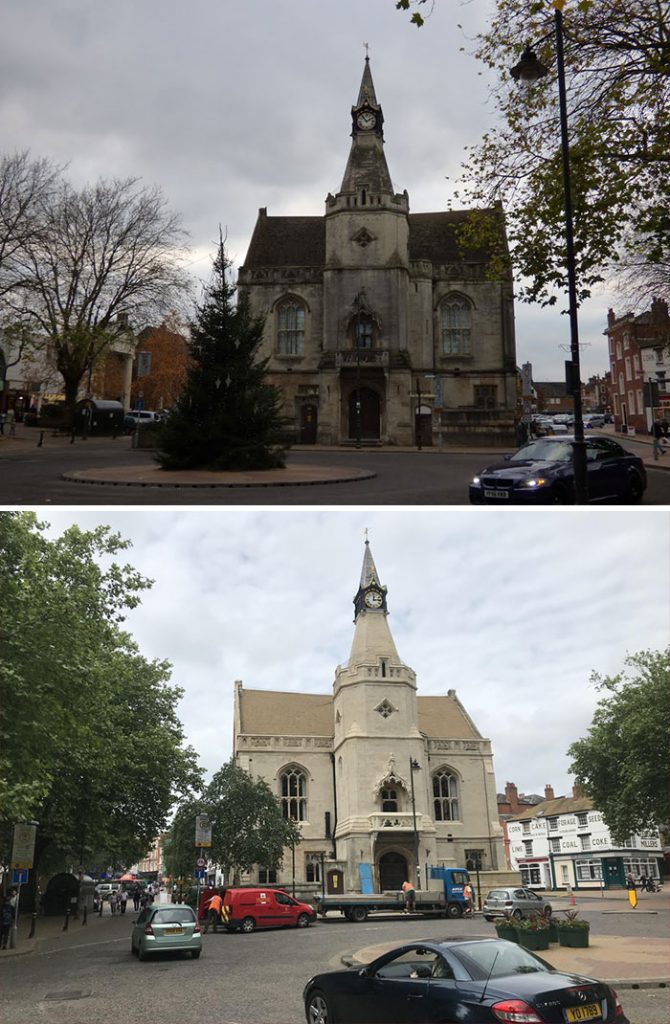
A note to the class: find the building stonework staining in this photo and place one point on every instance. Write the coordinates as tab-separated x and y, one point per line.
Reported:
564	842
379	327
373	773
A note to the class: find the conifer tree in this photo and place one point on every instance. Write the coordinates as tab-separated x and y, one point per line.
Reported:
227	416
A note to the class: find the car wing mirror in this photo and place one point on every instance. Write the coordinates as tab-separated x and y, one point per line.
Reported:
363	973
507	458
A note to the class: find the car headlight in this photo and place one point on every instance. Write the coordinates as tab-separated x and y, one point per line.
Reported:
476	482
535	481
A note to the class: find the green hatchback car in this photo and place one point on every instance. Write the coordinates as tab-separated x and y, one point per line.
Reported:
165	929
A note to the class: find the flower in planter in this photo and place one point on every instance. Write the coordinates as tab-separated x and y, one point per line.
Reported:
533	923
572	920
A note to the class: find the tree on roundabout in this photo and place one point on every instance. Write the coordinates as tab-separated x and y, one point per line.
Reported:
227	417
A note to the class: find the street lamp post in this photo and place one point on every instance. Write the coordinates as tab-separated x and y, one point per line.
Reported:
418	413
414	766
529	69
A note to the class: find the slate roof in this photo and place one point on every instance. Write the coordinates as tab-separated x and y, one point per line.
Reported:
301	241
551	808
275	713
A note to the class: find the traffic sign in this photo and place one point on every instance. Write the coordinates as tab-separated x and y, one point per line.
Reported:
201	862
199	872
20	876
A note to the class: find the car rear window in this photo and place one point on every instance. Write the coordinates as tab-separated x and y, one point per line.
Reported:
497	894
174	915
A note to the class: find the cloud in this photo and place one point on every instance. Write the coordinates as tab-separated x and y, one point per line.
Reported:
231	107
512	610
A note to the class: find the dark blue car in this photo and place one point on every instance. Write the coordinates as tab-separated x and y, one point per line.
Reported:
541	473
480	982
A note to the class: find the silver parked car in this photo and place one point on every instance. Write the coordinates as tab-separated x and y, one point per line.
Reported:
515	902
165	929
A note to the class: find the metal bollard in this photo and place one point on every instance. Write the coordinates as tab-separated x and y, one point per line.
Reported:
67	920
84	915
33	923
100	909
41	440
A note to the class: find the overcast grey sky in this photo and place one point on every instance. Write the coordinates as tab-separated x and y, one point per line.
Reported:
231	106
513	610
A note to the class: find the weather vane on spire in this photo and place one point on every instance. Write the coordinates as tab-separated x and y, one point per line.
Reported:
367	50
365	531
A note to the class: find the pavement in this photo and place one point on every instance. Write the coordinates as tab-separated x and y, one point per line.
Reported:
623	961
129	474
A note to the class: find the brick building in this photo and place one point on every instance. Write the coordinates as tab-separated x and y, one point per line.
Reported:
639	352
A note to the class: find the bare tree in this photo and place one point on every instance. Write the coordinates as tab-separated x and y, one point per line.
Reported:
25	184
107	249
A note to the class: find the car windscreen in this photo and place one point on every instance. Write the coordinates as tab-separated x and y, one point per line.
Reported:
544	450
173	915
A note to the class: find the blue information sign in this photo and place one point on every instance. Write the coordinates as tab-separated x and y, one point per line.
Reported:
199	872
20	876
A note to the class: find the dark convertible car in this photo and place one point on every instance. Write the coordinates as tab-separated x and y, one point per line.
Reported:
541	473
476	982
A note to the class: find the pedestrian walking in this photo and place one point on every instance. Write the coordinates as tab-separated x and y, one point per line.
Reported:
410	897
632	894
213	912
136	897
11	422
468	896
123	899
657	434
112	902
6	918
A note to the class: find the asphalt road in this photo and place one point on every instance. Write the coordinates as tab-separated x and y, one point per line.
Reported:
31	475
90	976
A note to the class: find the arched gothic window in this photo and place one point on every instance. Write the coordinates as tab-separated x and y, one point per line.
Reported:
455	324
389	798
290	328
293	785
364	332
445	795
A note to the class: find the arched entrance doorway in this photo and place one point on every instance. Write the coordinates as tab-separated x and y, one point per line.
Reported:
392	871
370	414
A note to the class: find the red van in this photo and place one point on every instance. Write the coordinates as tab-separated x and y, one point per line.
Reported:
247	909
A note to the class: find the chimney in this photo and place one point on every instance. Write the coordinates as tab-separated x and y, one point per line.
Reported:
610	317
659	312
577	792
549	793
122	319
512	796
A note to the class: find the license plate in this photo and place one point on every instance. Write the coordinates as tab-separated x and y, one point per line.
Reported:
589	1012
496	494
178	931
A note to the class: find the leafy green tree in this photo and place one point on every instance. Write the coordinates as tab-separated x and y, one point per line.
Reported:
623	763
228	416
247	825
617	62
90	743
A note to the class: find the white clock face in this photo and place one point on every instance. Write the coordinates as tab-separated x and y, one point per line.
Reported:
366	119
373	599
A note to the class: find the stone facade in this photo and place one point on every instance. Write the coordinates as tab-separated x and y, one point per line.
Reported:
374	774
379	327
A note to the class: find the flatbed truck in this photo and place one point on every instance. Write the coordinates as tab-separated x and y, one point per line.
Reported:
447	900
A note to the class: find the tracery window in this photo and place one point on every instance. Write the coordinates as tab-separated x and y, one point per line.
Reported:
364	332
313	867
445	795
293	785
456	324
290	328
389	797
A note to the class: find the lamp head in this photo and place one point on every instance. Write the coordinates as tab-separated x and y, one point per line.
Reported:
529	69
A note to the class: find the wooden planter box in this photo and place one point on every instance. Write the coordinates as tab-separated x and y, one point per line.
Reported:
553	931
576	938
507	931
533	940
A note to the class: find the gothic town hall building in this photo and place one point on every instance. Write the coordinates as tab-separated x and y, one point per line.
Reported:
382	782
379	327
